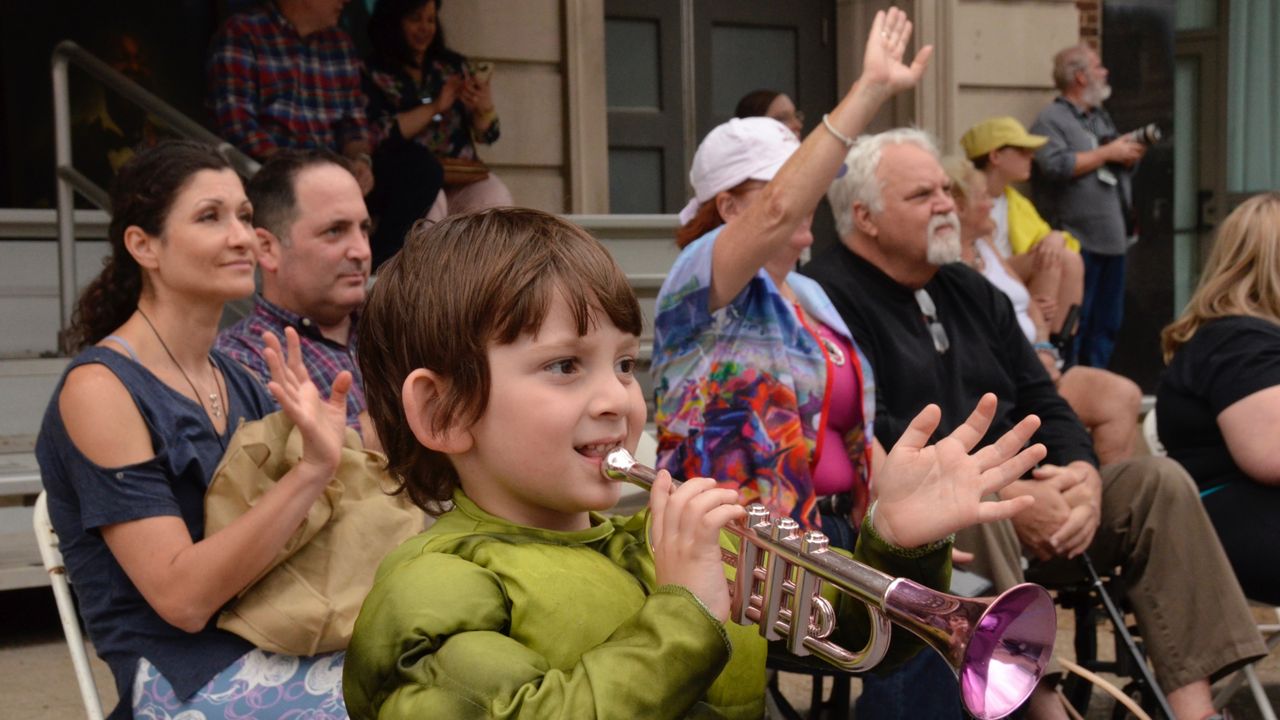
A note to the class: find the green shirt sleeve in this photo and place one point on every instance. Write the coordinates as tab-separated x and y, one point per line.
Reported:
419	650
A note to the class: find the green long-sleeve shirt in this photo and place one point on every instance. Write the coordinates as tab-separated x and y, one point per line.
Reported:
482	618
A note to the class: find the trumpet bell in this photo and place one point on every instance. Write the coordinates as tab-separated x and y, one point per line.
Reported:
1008	652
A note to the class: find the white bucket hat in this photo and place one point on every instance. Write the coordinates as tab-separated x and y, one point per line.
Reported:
739	150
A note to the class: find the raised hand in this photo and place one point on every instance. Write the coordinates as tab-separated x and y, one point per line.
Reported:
322	422
882	62
926	492
685	532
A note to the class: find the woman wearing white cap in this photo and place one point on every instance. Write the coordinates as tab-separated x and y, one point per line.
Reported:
758	380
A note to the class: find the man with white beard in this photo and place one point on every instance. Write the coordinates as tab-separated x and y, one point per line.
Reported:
935	331
1081	184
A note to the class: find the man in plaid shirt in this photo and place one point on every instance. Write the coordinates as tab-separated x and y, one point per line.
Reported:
286	76
313	247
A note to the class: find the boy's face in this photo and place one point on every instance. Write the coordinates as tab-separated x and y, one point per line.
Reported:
557	404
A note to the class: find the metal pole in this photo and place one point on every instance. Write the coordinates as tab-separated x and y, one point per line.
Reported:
1117	619
69	180
66	200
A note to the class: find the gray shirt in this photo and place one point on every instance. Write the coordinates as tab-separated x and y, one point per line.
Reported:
1094	206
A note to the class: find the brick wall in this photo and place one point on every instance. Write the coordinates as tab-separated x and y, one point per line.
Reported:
1091	22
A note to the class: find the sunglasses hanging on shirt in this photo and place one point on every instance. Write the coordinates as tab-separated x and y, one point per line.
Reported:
941	342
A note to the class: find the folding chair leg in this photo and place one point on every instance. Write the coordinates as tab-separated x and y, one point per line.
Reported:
1122	631
1259	694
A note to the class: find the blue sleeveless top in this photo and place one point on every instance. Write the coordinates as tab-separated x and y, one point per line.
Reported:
83	497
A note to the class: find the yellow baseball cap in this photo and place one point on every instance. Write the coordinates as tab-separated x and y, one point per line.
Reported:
995	133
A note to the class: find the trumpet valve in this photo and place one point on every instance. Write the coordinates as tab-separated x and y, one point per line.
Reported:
745	593
777	575
785	529
810	614
814	542
757	516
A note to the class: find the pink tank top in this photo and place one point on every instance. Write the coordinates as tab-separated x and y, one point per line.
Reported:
834	472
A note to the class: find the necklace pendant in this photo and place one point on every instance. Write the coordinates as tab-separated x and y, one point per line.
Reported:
215	405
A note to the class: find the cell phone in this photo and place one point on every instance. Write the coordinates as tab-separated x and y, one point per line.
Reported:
482	70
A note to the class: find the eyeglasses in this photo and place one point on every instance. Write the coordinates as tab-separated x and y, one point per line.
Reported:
941	342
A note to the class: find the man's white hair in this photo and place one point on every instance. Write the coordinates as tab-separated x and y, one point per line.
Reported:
857	181
1069	61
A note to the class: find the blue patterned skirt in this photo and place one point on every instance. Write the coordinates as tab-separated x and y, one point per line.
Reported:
260	684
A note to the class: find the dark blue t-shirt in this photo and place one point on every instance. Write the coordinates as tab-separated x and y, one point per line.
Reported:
83	497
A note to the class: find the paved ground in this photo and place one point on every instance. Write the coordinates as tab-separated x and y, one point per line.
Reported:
37	681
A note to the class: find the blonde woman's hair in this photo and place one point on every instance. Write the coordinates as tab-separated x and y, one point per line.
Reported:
960	170
1242	275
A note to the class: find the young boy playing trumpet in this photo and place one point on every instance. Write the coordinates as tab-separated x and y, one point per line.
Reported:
498	352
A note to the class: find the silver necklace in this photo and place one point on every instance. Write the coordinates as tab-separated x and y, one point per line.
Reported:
215	398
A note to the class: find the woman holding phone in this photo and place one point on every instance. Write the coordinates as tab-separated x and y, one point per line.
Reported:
422	93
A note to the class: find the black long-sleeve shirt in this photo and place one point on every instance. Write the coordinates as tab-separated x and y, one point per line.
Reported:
988	353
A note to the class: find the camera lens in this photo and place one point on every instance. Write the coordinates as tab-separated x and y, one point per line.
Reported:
1147	134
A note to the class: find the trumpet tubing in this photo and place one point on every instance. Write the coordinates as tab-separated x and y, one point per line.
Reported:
998	648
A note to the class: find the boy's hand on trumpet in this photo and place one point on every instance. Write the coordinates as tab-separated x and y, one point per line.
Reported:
685	533
926	492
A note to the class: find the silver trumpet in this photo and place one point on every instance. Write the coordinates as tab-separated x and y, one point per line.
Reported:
998	647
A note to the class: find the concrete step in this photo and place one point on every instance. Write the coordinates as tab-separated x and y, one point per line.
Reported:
25	389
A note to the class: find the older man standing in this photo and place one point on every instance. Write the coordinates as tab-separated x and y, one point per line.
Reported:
936	331
1081	184
313	248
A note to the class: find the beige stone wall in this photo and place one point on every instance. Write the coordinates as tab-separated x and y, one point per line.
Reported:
1002	57
547	149
993	57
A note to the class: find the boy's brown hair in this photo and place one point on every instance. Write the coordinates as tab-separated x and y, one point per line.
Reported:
455	287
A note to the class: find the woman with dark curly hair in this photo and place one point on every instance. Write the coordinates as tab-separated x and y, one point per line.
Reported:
135	429
423	94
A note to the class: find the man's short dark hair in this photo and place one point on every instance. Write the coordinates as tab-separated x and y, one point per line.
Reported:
272	189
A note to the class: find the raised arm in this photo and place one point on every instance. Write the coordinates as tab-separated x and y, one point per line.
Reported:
748	240
184	581
1124	150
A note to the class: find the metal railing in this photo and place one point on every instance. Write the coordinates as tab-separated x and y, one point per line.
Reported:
70	180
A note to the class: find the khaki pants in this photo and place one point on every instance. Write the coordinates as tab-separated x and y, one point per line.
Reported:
1191	612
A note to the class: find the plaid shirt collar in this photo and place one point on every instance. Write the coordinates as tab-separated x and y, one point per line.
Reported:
277	316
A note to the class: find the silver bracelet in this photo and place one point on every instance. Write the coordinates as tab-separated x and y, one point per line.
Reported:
848	142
